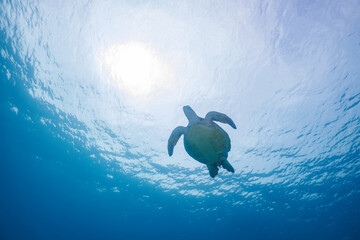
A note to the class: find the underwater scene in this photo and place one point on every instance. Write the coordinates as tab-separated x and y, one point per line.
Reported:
152	119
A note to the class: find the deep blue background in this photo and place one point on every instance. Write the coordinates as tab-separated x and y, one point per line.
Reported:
49	191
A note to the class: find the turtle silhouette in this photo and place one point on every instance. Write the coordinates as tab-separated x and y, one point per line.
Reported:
204	140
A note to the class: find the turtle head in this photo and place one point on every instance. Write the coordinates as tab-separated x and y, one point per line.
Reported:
190	114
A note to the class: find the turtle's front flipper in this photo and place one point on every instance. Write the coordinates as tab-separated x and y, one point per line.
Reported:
213	170
220	117
174	138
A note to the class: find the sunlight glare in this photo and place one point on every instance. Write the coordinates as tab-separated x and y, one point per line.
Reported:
136	68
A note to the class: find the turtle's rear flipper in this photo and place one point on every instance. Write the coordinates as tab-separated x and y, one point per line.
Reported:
226	165
213	170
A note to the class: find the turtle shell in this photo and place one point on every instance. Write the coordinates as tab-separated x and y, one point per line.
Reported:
205	143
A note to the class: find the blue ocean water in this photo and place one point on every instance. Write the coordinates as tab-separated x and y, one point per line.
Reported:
90	92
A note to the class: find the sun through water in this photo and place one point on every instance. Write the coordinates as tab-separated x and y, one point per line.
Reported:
136	68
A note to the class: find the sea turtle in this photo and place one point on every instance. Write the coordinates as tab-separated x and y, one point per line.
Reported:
204	140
